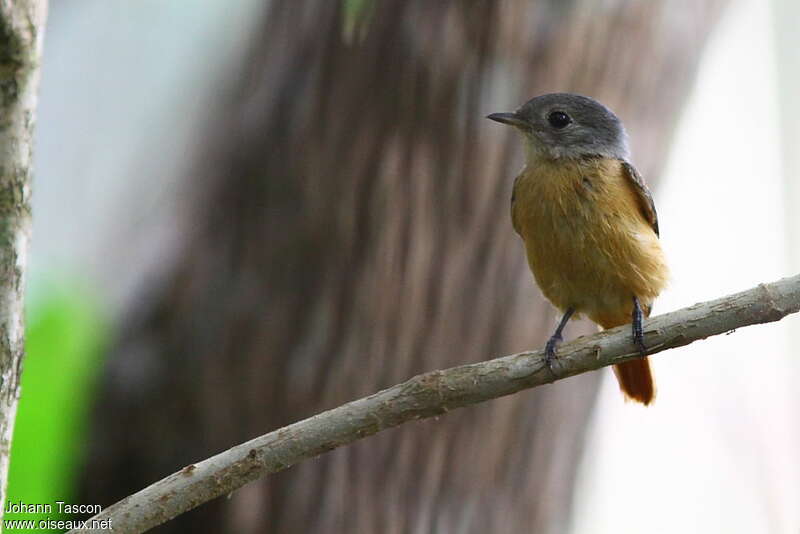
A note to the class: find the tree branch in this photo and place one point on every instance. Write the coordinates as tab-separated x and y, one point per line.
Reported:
435	393
21	30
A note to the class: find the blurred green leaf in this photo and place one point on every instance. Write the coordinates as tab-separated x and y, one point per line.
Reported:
64	337
356	15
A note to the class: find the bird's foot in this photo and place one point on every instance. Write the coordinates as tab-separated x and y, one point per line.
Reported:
555	339
638	339
550	351
638	331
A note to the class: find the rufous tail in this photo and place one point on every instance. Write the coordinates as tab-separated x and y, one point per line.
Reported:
636	380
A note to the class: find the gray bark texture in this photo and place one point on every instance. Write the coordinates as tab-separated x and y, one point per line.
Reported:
21	32
347	227
436	393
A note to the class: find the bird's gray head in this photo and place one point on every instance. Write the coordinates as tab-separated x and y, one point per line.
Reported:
564	125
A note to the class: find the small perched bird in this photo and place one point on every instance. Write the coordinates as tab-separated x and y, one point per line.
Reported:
588	222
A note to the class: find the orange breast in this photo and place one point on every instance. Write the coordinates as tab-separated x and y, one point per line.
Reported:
587	242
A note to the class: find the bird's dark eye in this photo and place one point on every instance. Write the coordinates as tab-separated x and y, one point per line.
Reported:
558	119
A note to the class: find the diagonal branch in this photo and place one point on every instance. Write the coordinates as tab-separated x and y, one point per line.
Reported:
435	393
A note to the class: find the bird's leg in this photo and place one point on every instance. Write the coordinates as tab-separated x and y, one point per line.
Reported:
555	339
638	333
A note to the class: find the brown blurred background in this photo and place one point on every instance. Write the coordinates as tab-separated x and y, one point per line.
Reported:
344	227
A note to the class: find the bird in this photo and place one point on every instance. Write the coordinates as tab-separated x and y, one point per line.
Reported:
588	223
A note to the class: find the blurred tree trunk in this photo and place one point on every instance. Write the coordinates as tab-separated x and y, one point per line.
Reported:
347	227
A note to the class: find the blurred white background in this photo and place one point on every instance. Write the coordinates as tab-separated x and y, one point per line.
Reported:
128	84
718	452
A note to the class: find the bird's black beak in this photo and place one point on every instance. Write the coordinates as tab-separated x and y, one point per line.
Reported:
512	119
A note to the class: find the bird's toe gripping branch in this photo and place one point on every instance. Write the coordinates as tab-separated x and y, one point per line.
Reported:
638	332
555	339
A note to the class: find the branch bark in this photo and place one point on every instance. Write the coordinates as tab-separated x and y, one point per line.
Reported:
21	31
436	393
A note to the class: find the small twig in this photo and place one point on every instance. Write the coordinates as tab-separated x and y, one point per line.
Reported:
432	394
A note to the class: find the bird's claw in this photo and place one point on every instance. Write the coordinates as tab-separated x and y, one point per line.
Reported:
638	331
639	341
550	351
638	338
